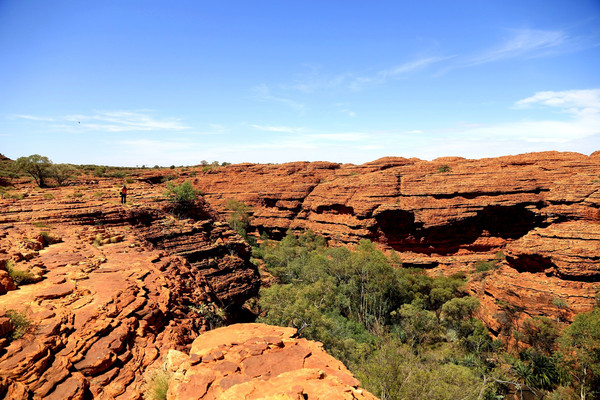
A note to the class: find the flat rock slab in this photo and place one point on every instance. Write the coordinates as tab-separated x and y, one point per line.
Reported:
56	291
258	361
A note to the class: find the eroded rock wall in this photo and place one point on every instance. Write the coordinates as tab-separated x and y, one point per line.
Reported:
114	287
541	209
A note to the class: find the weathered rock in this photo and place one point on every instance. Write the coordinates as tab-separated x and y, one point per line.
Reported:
569	250
115	291
257	361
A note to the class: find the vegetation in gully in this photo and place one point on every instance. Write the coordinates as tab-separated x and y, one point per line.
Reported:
407	335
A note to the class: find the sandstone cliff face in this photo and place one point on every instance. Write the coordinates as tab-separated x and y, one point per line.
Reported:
541	209
116	287
257	361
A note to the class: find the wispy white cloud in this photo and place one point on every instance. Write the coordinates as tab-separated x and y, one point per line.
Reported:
110	121
33	117
578	102
396	72
338	136
283	129
345	109
582	108
124	121
263	93
521	43
314	80
150	145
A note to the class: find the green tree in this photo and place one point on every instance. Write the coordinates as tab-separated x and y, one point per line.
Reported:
37	166
580	344
395	372
239	218
541	333
418	325
62	172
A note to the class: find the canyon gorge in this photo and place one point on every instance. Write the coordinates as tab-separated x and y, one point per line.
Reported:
115	291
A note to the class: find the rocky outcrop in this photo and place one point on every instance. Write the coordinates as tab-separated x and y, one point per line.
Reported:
112	288
541	209
257	361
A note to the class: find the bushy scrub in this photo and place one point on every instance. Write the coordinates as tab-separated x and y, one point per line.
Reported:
239	217
357	302
181	196
62	173
411	336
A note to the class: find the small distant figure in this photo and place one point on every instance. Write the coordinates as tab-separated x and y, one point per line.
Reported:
124	194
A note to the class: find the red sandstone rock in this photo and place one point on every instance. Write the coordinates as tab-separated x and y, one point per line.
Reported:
257	361
106	309
570	250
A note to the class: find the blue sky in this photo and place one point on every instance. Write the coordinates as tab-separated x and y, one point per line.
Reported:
143	82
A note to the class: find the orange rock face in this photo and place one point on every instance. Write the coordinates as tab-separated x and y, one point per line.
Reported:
257	361
115	287
541	209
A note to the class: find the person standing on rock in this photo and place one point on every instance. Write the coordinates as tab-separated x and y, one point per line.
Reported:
123	194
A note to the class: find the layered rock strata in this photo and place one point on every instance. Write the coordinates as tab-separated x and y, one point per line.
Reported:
541	209
113	287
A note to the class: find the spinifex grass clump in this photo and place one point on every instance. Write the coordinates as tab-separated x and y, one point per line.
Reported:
20	323
19	276
157	384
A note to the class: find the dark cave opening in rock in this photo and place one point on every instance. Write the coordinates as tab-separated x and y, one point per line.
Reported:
398	229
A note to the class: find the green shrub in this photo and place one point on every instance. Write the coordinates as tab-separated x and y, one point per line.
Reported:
240	216
215	316
183	194
117	174
99	171
12	195
484	266
444	168
62	173
20	323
